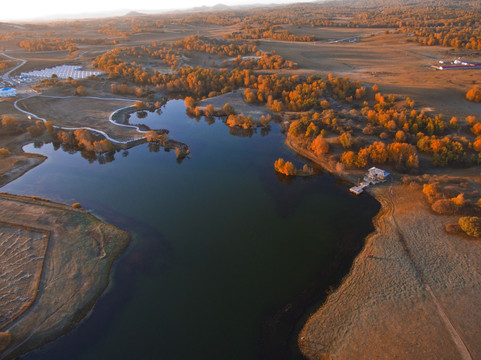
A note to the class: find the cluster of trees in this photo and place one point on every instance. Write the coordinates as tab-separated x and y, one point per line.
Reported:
453	196
39	128
9	124
447	151
117	61
124	89
403	156
240	120
110	29
209	110
46	44
285	167
82	139
264	62
410	121
218	47
474	94
269	32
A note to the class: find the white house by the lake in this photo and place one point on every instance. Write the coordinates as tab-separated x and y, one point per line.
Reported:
374	176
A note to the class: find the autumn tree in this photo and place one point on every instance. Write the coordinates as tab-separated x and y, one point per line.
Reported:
209	110
81	91
471	225
189	102
453	123
49	126
400	136
346	140
474	94
9	123
349	158
320	145
285	167
4	152
228	109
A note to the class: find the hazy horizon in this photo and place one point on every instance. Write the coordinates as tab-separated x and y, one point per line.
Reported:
58	9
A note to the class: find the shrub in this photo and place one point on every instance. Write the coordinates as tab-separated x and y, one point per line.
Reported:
453	228
471	225
474	94
81	91
9	122
445	207
431	190
4	152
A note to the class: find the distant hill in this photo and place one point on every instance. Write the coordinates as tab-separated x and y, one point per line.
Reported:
134	14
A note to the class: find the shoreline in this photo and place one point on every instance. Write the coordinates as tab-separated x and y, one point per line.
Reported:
60	300
392	296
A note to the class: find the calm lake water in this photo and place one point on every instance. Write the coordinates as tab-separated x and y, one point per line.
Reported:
222	247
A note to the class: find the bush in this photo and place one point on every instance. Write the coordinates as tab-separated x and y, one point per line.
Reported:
4	152
431	190
453	229
474	94
445	207
471	225
81	91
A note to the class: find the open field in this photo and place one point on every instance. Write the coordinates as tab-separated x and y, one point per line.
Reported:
81	112
237	101
411	293
397	66
64	278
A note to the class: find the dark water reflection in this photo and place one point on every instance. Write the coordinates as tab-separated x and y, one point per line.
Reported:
220	244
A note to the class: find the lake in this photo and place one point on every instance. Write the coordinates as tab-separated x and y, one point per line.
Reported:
226	255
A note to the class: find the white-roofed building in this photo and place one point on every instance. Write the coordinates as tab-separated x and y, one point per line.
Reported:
62	72
7	92
378	173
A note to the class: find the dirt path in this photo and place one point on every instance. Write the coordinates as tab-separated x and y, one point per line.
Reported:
103	133
6	76
458	341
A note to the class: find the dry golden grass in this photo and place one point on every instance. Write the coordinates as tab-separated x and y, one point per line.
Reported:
384	308
75	271
81	112
396	65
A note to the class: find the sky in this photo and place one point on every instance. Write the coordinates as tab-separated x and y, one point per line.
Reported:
14	10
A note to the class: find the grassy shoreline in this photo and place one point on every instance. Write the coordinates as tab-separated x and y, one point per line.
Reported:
398	299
